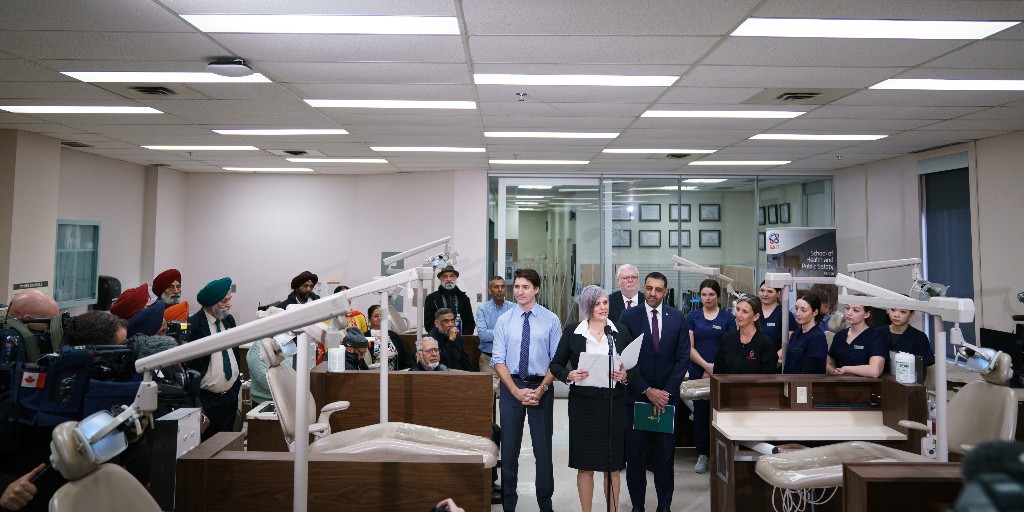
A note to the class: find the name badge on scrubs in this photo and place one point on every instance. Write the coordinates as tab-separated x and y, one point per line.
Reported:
719	327
858	347
771	324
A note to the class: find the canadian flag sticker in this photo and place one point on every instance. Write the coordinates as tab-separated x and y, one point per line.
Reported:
33	380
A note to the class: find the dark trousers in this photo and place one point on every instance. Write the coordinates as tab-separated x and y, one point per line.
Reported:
221	408
541	428
663	453
702	426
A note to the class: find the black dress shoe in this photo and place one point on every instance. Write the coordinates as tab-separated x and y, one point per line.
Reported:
638	509
495	497
663	510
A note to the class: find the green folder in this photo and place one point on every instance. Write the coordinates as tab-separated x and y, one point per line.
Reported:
645	419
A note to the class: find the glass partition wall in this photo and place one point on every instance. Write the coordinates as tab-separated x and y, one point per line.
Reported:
577	231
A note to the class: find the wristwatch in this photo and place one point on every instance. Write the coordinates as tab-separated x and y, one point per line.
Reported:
545	388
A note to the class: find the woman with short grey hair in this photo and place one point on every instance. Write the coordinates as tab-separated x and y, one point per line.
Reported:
594	445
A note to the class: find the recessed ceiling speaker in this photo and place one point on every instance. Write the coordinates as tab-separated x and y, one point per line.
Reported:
234	68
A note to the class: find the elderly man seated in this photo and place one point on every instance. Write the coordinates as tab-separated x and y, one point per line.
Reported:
428	356
449	339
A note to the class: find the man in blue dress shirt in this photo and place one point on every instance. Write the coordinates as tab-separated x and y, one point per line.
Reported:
487	316
525	340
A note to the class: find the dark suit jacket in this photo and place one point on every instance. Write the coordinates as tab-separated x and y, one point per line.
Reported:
665	369
616	304
453	353
569	349
201	329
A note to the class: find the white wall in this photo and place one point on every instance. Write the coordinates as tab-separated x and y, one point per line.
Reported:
262	230
110	191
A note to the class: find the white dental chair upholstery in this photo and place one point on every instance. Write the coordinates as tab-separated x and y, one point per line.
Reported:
93	487
984	410
387	438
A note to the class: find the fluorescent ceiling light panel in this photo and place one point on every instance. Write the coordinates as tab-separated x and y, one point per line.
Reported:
658	151
803	136
268	169
870	29
761	163
941	84
724	114
705	180
140	77
666	187
323	24
518	196
339	160
600	80
295	131
533	203
456	105
535	187
203	148
553	135
43	109
540	162
426	149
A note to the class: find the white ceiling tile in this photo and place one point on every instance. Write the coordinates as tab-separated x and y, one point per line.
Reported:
365	72
241	91
849	126
386	117
1011	113
604	17
563	123
343	47
897	98
781	77
797	51
990	54
978	124
36	45
367	132
344	91
20	70
888	112
973	74
590	49
57	91
532	107
391	7
109	15
690	96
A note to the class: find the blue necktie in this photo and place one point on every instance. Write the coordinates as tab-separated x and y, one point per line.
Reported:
524	348
224	355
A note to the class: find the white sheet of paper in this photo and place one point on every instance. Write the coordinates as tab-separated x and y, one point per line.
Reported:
596	366
631	355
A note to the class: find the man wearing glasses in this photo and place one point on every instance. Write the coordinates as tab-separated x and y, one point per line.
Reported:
428	356
629	294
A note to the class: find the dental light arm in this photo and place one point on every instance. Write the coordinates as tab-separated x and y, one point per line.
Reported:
853	268
445	256
685	265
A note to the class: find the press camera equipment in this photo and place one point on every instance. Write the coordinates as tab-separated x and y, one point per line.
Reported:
179	330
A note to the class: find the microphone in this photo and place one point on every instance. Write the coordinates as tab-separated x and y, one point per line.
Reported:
609	335
145	346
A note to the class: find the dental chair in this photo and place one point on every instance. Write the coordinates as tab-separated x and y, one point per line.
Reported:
93	485
386	438
984	410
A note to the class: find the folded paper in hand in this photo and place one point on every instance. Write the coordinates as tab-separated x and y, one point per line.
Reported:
632	352
596	366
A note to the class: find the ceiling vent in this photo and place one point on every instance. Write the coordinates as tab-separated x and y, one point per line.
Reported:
295	152
153	90
797	96
669	156
73	144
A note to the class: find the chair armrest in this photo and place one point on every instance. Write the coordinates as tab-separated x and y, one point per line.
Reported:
967	447
331	408
319	430
914	425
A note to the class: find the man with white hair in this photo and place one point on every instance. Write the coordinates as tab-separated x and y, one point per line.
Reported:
629	294
428	356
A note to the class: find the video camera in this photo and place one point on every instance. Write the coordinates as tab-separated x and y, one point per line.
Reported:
179	330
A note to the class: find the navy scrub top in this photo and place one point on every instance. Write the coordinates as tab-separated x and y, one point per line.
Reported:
867	344
771	325
707	335
804	348
912	341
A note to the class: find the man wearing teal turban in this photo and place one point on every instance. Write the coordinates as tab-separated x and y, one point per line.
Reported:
220	383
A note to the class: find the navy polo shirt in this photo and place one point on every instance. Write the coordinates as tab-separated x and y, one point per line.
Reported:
806	352
867	344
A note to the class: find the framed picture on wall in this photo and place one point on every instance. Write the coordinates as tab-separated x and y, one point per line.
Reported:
773	214
784	213
679	238
622	212
710	238
650	237
760	216
649	213
710	213
622	238
760	241
679	212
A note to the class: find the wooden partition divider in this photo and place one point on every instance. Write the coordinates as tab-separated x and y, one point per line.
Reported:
218	476
459	401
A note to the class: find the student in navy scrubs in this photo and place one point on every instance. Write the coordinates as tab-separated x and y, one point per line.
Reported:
747	349
771	317
900	336
857	350
707	325
808	348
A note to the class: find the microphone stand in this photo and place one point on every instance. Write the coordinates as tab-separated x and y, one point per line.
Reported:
610	338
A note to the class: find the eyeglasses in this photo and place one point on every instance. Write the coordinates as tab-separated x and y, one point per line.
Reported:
630	278
431	350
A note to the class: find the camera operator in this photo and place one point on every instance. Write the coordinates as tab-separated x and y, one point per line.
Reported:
26	342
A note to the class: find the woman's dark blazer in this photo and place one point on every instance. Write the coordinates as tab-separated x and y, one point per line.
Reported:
569	349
